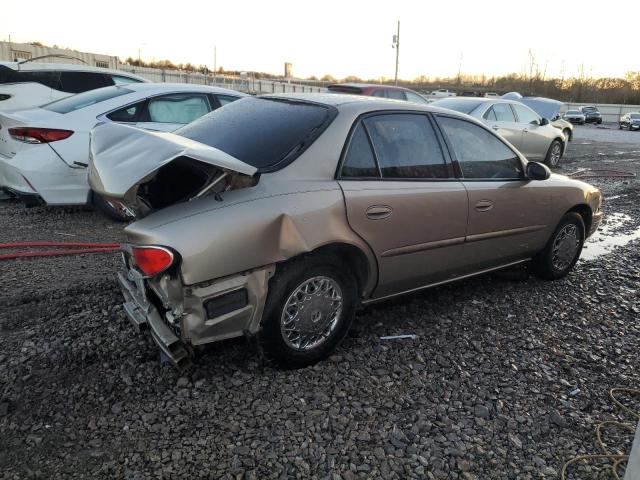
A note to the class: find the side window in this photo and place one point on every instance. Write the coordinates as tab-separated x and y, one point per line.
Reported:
178	108
120	80
525	115
224	99
503	112
406	147
78	82
490	115
396	94
359	161
379	93
413	97
481	154
128	114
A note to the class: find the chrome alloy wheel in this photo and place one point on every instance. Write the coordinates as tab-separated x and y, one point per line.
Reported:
565	247
556	153
311	313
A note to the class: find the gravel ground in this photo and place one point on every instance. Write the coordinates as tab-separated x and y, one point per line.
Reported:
507	378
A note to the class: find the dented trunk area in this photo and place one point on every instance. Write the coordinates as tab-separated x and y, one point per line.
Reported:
182	180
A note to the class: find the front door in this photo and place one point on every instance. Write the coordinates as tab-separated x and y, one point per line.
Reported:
508	218
402	198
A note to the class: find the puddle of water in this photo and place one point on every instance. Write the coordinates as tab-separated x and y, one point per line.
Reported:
603	241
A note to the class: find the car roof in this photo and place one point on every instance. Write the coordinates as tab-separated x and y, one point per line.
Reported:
368	85
71	67
180	87
363	103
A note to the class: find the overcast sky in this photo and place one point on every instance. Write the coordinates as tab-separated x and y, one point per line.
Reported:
346	37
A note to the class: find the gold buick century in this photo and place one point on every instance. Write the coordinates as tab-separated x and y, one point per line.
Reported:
276	217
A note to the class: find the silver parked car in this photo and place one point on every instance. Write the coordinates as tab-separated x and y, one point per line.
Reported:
275	217
531	134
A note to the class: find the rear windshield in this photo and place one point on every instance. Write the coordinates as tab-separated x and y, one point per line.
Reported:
635	115
573	112
344	89
462	106
267	133
86	99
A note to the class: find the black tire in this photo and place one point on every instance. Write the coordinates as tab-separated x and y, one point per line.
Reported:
287	279
629	127
108	210
543	264
552	159
620	126
567	134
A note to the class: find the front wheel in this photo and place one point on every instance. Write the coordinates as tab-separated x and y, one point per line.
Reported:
554	154
309	310
562	250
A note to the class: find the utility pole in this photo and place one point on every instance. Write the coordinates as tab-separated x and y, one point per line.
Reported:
215	59
396	45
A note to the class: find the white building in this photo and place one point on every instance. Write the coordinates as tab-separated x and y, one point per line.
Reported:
11	51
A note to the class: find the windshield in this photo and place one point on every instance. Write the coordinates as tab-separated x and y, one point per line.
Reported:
635	115
267	133
82	100
459	105
573	112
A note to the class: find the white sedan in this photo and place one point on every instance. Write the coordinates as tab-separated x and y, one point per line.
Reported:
44	152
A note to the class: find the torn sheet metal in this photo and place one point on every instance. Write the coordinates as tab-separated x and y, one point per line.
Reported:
123	156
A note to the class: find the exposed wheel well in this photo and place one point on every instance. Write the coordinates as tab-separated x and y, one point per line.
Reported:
587	215
349	254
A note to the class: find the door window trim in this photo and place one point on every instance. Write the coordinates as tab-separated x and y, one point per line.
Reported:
458	167
448	159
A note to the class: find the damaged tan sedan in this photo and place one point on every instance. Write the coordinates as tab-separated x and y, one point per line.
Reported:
275	217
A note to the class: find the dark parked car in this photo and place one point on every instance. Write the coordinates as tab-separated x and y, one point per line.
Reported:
374	90
591	115
630	121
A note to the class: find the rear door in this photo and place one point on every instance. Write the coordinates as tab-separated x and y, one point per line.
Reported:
402	198
508	214
169	112
500	117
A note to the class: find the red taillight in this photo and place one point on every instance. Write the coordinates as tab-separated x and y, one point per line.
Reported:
38	135
152	260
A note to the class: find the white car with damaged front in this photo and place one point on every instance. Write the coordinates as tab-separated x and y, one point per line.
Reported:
44	152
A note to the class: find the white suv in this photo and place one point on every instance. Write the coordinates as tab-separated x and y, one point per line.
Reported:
26	84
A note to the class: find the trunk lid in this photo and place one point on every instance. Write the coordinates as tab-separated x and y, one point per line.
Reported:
168	167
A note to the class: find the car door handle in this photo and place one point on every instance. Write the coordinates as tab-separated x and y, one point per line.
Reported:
495	127
378	212
525	130
484	205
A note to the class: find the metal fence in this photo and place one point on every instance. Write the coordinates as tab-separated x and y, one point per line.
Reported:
245	84
610	112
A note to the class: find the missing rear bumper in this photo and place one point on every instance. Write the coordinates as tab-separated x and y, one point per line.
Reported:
143	314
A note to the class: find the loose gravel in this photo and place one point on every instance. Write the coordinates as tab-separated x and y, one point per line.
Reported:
507	378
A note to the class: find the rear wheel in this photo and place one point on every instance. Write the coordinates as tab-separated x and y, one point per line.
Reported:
309	310
562	250
554	154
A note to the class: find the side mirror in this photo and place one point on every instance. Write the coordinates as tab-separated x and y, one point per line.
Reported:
537	171
544	122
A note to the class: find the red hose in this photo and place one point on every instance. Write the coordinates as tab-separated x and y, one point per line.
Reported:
73	248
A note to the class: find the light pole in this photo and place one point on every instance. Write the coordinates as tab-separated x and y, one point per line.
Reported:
396	45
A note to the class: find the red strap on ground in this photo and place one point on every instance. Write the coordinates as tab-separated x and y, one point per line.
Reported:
65	248
54	253
59	244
